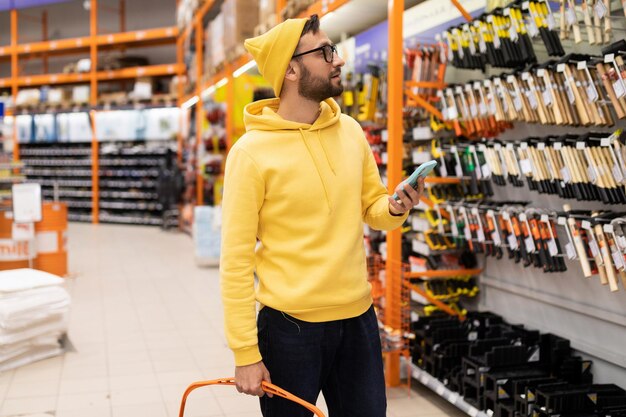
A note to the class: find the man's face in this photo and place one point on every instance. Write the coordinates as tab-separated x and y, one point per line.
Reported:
319	79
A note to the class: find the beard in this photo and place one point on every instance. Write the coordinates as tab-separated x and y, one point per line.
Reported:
317	89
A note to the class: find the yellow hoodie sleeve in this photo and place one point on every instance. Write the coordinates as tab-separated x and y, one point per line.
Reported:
243	197
374	196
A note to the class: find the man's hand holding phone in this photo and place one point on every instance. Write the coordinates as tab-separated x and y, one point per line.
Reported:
408	192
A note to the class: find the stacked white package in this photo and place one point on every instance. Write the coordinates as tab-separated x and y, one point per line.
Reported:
33	316
207	227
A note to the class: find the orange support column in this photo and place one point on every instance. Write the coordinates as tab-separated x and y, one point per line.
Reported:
93	32
395	91
199	108
14	75
95	171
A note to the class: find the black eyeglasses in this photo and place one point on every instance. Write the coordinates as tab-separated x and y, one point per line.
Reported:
329	52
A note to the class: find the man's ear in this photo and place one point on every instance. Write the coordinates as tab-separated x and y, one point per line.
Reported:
293	71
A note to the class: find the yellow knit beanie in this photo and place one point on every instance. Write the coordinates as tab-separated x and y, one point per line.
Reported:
273	50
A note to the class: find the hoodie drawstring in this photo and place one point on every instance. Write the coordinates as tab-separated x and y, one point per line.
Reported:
319	173
330	163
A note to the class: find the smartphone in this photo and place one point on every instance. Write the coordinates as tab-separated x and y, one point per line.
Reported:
420	171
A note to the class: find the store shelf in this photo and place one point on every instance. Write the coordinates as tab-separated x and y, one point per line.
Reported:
129	219
444	273
56	162
56	173
54	79
65	183
440	389
323	7
127	184
131	206
147	71
140	38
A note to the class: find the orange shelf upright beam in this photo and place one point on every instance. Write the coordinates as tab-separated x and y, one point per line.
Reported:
395	81
14	75
95	171
199	106
93	32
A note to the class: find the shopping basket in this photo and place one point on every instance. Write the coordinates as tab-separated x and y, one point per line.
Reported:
267	387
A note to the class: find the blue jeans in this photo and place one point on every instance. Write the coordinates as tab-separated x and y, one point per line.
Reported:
341	358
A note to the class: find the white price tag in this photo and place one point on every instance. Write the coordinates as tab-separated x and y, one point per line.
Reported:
580	146
517	103
495	236
600	9
567	178
473	110
526	166
384	135
557	146
541	146
618	260
467	232
532	28
480	234
560	68
552	248
547	98
530	244
618	86
618	174
440	390
512	241
592	94
492	106
512	33
569	250
592	174
541	72
551	21
482	108
452	113
532	100
453	398
595	250
486	170
570	15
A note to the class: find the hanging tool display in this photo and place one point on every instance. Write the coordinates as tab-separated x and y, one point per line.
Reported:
574	91
589	167
503	38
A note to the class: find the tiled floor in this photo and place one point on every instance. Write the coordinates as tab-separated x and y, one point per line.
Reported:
144	323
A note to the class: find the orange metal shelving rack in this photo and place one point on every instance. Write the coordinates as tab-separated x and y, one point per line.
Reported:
93	43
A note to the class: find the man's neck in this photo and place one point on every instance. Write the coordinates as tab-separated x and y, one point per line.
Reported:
297	109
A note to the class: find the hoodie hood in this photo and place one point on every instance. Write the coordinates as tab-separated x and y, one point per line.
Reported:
262	115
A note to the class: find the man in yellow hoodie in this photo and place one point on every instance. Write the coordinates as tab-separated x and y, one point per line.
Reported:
302	181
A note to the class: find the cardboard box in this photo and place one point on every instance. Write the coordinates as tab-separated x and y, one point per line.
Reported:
240	19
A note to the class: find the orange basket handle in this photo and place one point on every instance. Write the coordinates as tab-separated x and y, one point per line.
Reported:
267	387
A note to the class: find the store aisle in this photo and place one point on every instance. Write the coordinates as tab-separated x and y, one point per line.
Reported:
145	322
